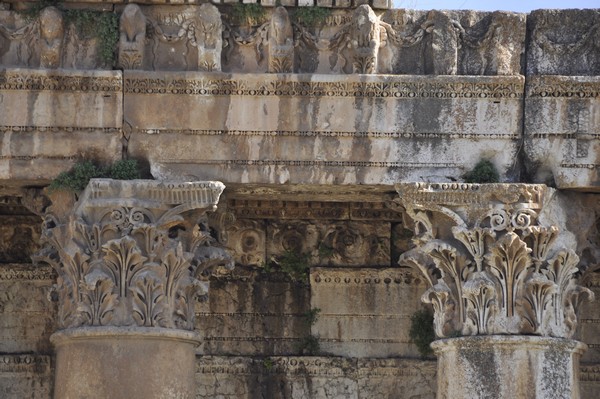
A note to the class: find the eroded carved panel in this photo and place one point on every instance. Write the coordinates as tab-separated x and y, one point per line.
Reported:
314	377
564	42
27	313
25	376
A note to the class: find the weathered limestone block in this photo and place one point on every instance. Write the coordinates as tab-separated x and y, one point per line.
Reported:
365	312
48	119
589	377
564	42
396	378
296	377
508	367
590	322
562	115
253	313
127	255
326	130
27	316
25	376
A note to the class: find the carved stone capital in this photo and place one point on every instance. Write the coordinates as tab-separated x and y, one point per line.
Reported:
127	253
493	264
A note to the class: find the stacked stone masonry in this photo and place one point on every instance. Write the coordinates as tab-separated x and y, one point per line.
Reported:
319	251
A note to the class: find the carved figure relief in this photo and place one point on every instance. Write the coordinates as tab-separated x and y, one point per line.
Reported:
281	42
495	270
52	33
122	263
206	37
132	38
362	38
441	51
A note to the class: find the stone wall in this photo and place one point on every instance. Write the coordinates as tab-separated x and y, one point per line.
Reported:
309	126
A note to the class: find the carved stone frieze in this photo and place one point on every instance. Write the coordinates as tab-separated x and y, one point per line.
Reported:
493	265
128	252
326	243
132	38
281	42
564	42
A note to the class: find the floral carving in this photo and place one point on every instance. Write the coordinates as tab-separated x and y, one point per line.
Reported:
132	38
121	265
495	269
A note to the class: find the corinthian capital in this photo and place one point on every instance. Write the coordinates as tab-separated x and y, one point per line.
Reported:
494	265
127	253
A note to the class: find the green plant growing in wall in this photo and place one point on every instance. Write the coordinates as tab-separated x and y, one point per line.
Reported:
421	331
249	14
77	179
294	264
309	344
103	26
268	363
96	24
325	251
483	172
311	16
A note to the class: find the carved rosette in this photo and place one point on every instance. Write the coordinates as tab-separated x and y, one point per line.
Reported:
492	266
127	253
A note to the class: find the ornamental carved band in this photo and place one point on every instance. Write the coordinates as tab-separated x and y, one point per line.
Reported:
127	253
492	266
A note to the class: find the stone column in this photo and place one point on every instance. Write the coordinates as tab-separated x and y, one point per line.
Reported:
127	254
504	287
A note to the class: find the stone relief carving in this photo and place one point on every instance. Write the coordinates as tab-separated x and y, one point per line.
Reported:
363	38
52	32
131	259
207	37
175	34
174	37
132	38
564	42
281	42
493	267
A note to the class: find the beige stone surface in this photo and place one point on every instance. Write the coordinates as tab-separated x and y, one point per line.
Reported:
365	312
253	313
562	115
27	315
589	378
508	367
51	118
124	363
297	377
26	376
321	129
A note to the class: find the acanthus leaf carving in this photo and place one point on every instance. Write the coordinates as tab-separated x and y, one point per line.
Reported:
511	280
118	267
